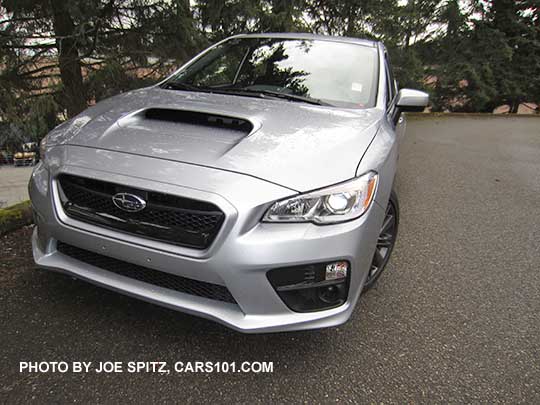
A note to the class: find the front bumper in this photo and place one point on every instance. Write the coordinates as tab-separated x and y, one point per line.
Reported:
239	258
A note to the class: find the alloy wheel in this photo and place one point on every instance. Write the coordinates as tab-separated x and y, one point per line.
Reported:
385	244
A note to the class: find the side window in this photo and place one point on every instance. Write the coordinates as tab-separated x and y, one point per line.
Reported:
390	81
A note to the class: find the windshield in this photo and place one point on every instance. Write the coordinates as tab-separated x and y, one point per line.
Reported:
335	73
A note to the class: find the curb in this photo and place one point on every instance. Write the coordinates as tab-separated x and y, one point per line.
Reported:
15	216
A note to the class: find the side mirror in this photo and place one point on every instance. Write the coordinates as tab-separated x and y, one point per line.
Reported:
409	100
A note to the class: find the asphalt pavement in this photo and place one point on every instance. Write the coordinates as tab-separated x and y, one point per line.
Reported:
455	318
13	184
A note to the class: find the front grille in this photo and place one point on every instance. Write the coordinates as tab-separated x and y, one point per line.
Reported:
146	275
168	218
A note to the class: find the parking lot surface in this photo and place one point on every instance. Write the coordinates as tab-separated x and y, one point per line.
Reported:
13	184
455	318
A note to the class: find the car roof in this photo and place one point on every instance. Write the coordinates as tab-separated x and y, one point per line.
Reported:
302	35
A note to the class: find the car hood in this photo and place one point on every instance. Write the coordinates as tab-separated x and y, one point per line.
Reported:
296	145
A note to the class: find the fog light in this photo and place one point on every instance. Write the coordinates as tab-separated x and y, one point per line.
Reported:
312	287
336	270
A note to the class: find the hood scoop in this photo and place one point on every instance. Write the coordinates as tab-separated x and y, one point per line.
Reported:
201	137
197	118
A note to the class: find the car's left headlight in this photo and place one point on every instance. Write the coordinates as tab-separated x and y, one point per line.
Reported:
338	203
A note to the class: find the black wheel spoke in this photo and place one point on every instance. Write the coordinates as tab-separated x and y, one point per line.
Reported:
385	243
378	259
388	223
385	240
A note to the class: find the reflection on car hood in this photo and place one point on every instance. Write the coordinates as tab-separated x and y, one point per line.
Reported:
292	144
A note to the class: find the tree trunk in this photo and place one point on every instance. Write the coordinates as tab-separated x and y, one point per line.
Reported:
74	96
514	107
350	21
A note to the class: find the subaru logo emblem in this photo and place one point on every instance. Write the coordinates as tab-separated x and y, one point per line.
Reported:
129	202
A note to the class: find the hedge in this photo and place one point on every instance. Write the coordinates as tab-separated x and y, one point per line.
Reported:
15	216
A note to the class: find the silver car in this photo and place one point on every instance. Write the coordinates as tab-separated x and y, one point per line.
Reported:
252	187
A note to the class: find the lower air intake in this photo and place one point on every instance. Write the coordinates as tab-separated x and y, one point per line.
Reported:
147	275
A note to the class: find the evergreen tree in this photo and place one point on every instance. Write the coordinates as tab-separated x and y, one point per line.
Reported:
58	56
52	47
504	55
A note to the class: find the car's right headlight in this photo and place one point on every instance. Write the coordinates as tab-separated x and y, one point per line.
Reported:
338	203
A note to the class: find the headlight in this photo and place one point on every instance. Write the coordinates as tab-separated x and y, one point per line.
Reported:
339	203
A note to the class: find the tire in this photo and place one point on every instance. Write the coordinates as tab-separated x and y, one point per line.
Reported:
385	242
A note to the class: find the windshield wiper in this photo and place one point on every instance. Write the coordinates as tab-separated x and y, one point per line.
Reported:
287	96
184	86
244	92
216	90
